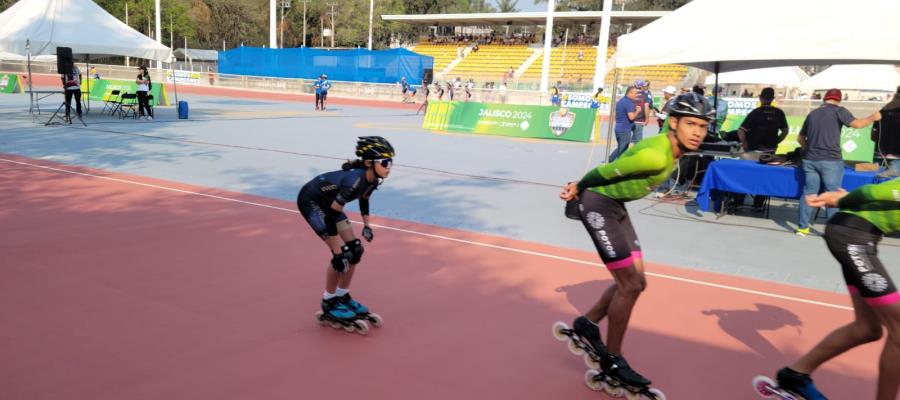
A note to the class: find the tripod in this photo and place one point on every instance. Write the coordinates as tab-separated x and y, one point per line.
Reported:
64	119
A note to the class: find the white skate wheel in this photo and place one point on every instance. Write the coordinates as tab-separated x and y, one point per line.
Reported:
591	382
377	321
335	325
764	387
614	391
349	328
658	394
633	396
558	328
361	327
590	362
575	348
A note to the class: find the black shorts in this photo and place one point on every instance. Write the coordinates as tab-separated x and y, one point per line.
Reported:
315	216
606	220
853	241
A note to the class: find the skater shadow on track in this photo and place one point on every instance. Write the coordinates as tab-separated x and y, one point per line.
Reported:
745	326
583	295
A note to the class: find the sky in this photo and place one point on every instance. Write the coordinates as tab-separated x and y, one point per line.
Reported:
528	5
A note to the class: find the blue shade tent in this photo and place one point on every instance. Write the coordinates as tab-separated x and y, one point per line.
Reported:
360	65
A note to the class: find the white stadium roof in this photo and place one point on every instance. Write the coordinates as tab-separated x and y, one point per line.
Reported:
525	18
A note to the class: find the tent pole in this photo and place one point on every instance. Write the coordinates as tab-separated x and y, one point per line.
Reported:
715	104
610	123
30	88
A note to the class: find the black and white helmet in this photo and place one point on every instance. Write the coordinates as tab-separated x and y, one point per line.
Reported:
692	105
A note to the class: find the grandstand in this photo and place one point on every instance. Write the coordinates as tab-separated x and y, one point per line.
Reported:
443	54
565	65
491	62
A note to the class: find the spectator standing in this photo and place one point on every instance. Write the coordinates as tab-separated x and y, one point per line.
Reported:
668	98
72	85
886	135
721	106
762	130
144	85
626	111
820	138
644	104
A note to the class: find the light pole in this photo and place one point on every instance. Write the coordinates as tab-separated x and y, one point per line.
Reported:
304	21
332	23
127	59
284	4
371	14
158	32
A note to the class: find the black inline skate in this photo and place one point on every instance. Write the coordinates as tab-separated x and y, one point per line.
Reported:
583	339
618	379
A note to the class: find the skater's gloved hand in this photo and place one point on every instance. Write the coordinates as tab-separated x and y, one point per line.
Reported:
367	233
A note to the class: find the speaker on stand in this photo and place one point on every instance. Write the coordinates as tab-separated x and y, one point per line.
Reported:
64	66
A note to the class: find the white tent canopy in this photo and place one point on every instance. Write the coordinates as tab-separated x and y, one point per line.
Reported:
771	33
856	77
80	24
17	57
776	76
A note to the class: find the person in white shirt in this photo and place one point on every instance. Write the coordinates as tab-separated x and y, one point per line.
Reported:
144	85
72	86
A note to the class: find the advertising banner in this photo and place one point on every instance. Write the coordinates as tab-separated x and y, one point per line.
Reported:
101	89
856	144
9	83
183	77
539	122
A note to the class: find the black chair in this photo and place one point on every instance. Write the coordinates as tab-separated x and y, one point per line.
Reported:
111	103
128	105
150	103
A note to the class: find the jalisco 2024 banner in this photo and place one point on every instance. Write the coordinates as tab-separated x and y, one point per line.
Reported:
102	88
541	122
856	144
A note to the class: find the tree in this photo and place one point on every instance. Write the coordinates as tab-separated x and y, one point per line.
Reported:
507	6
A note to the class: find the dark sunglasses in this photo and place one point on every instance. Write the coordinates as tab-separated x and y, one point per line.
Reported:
387	162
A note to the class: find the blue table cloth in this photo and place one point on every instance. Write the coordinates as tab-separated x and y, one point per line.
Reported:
751	177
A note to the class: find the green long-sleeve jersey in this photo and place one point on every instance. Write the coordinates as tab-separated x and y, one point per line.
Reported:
636	173
878	203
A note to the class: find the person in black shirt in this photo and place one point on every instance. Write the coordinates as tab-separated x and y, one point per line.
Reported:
760	130
886	135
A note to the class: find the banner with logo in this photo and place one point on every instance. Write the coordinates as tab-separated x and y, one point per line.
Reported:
183	77
856	144
9	83
102	88
539	122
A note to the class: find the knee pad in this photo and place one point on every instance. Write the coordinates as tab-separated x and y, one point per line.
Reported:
356	248
341	261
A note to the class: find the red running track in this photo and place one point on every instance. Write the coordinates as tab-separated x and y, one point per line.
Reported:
124	287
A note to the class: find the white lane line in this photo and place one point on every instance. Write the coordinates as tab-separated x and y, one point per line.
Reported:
430	235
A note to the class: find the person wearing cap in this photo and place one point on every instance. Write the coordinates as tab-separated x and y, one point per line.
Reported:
668	97
318	85
644	101
765	127
823	163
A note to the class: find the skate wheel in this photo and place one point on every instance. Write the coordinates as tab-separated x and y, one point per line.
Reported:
335	324
765	387
320	317
590	361
613	390
655	394
559	328
349	327
361	327
575	347
376	319
590	379
633	396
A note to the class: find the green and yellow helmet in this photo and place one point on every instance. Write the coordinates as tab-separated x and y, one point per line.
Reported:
373	148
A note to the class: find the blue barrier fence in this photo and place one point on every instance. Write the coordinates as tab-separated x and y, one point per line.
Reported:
359	65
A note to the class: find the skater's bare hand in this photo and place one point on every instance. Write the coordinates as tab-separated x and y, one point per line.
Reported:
827	199
569	192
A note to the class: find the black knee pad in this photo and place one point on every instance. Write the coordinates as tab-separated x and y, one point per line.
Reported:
356	248
341	261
